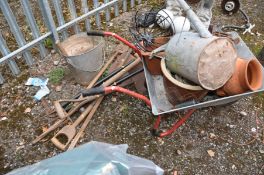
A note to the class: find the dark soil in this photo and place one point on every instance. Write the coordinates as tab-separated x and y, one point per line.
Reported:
233	133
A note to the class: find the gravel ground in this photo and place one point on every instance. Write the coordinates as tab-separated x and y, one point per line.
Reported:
215	140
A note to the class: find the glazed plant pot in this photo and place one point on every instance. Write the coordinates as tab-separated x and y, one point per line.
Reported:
247	76
177	91
153	64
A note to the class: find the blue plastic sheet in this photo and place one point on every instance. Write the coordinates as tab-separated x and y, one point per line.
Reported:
93	158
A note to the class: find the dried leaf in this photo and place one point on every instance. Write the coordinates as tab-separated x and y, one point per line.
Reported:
114	99
44	128
3	118
28	110
212	135
211	153
58	88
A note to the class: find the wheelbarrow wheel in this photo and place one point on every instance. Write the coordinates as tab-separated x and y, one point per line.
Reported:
230	6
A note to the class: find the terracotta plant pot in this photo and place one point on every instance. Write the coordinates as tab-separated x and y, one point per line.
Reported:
247	76
153	64
177	91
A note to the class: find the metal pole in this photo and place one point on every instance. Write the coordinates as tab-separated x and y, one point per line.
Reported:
58	29
33	25
132	3
59	14
116	9
44	5
73	15
197	23
107	12
5	51
15	29
2	80
97	16
124	5
92	12
25	47
85	9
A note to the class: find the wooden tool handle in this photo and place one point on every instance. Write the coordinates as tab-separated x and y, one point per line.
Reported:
83	115
85	123
107	83
58	144
60	111
61	121
121	73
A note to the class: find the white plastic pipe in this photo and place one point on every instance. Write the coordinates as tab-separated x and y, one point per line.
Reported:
194	19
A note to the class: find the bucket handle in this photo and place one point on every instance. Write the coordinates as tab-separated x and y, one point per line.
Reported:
76	67
159	49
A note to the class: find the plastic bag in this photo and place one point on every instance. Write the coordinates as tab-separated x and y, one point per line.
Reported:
44	90
93	158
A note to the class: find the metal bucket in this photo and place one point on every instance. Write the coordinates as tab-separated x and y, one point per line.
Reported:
208	62
85	55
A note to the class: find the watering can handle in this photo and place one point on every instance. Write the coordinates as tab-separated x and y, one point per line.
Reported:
95	33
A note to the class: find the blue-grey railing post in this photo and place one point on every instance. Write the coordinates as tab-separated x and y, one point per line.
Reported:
59	14
73	15
132	3
116	9
5	51
46	11
97	16
85	9
2	80
25	47
124	5
107	12
53	30
84	16
15	29
33	25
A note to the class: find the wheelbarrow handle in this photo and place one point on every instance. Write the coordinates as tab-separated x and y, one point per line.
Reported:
95	33
123	40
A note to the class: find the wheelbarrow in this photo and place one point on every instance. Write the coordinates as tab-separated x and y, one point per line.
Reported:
156	90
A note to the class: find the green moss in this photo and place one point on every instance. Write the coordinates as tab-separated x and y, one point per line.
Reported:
258	100
56	75
256	49
254	45
48	43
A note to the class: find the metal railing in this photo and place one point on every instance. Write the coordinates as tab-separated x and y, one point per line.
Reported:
89	9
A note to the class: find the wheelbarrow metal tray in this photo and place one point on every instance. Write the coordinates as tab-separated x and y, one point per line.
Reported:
160	103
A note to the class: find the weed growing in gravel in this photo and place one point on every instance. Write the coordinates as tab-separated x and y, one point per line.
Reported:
56	75
48	43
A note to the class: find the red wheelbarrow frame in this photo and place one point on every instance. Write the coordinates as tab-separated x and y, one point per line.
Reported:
106	90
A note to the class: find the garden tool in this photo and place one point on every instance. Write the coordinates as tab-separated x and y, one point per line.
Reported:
68	131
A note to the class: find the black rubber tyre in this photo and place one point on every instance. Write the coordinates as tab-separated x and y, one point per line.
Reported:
230	6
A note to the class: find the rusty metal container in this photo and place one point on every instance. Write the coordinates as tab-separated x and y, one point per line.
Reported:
178	91
208	62
85	56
